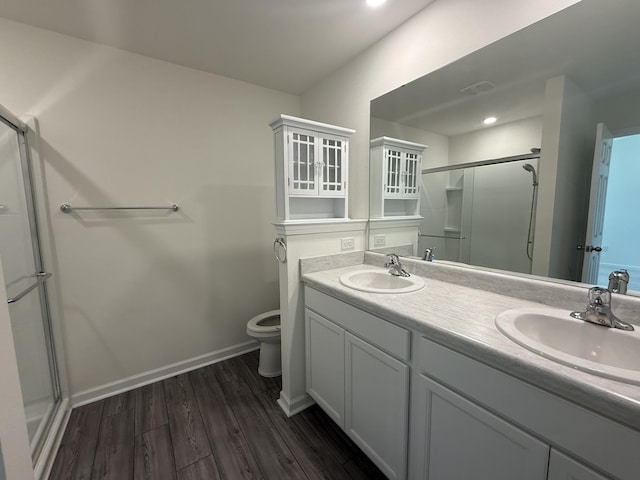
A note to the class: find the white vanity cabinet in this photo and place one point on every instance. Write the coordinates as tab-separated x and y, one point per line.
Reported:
357	372
424	411
395	171
311	166
472	421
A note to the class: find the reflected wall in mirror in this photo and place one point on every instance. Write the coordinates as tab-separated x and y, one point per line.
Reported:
485	199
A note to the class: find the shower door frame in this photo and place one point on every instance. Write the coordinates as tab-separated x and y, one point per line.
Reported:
50	435
27	176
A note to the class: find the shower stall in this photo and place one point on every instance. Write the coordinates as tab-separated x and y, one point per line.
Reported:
26	287
482	213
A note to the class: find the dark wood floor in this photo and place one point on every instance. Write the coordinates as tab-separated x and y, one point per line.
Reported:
217	422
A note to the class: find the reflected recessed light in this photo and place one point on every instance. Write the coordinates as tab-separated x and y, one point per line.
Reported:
375	3
489	120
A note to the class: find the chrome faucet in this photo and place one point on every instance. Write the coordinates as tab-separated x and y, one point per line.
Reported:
618	281
395	267
599	310
428	254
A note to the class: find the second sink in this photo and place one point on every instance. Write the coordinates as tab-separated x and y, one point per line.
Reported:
375	281
553	333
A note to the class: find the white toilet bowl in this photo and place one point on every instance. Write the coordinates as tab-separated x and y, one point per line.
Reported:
265	328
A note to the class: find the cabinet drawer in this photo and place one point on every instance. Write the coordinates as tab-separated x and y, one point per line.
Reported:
381	333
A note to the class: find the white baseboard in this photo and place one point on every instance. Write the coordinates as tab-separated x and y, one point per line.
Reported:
151	376
298	404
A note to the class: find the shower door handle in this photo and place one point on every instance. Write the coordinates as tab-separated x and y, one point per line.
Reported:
41	277
589	248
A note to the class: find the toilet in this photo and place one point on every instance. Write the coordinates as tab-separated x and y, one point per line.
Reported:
265	328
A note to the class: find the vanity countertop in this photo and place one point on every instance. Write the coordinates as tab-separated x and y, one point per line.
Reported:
462	319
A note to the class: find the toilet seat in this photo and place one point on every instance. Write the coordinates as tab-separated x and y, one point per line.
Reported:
255	326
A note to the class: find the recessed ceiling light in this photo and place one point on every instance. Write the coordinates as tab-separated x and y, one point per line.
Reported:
375	3
489	120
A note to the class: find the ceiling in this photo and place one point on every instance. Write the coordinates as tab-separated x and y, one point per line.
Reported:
286	45
594	43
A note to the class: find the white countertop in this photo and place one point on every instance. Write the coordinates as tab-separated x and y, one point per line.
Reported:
462	318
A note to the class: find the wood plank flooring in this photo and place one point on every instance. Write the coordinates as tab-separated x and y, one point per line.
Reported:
217	422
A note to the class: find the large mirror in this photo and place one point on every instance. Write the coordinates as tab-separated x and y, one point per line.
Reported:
515	194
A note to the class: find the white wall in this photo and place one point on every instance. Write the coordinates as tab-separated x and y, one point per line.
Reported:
437	153
440	34
140	291
563	200
620	113
514	138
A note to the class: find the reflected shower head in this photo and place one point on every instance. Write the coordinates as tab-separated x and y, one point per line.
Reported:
530	168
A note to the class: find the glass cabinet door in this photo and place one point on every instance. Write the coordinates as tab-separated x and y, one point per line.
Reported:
333	181
302	164
393	173
410	174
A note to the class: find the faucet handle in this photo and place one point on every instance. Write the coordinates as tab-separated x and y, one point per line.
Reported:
393	259
599	296
618	281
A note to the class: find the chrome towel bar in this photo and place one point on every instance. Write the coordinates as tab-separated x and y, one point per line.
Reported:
66	208
41	277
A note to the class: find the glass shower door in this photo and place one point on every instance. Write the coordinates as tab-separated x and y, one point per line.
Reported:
26	290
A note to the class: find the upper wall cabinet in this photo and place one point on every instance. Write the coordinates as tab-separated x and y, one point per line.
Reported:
395	177
312	166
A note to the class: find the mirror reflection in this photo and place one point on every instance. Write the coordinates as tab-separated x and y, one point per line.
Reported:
530	151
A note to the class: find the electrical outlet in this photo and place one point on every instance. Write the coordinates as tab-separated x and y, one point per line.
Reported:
348	243
379	240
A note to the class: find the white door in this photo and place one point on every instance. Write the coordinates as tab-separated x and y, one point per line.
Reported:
597	198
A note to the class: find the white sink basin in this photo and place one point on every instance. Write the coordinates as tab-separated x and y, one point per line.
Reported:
380	282
552	333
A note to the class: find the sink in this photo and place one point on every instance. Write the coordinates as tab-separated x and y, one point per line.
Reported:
375	281
552	333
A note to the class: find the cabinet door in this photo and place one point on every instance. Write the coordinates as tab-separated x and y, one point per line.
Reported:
376	405
333	167
303	163
392	187
325	364
411	175
562	467
463	440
